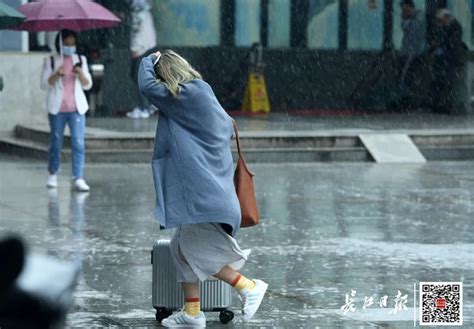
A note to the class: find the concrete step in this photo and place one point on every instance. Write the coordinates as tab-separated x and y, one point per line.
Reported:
454	153
251	155
32	149
103	139
37	150
97	138
259	146
309	154
22	148
443	139
94	139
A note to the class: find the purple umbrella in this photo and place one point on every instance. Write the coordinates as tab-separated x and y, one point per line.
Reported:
76	15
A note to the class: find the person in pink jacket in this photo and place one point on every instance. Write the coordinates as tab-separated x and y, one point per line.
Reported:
65	78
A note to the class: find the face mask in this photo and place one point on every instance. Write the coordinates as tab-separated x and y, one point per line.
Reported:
69	51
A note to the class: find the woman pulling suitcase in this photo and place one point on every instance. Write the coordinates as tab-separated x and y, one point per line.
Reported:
193	175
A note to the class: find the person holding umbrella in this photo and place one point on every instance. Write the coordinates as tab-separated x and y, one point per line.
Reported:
64	78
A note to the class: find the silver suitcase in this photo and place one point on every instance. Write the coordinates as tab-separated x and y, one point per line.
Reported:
167	294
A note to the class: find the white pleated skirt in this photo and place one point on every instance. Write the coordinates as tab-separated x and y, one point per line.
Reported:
207	248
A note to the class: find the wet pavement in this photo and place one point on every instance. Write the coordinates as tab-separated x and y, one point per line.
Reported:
326	229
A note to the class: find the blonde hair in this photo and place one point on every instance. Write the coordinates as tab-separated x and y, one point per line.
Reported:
172	69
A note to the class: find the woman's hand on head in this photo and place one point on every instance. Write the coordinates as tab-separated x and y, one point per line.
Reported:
157	54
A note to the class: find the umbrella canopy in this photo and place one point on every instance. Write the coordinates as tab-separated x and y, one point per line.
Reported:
9	17
76	15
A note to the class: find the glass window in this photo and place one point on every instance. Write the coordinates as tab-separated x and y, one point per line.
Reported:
462	11
247	22
472	25
279	16
365	24
191	23
323	30
10	40
397	20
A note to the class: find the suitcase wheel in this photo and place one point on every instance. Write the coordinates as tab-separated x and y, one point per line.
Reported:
226	316
162	313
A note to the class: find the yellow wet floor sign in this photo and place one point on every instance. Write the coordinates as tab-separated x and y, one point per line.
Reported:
256	97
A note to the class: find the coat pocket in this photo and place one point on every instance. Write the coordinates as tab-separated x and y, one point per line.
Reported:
167	187
158	168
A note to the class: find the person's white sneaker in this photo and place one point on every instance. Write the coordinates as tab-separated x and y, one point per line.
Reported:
252	299
52	181
80	185
183	320
145	114
135	114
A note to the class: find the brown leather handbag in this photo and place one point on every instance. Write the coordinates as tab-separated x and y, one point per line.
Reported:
243	181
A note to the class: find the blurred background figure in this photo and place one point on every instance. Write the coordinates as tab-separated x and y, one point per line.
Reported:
36	291
449	52
12	258
413	42
45	40
142	39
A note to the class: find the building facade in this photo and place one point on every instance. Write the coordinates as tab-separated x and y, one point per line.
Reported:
318	53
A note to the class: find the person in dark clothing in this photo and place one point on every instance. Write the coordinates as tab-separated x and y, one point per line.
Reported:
413	41
449	51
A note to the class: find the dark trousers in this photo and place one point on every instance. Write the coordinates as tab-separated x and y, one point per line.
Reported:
408	68
439	83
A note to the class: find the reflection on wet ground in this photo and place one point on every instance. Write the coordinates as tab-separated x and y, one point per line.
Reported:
326	229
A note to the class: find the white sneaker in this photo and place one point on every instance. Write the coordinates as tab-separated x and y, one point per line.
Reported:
80	185
52	181
145	114
183	320
252	299
135	114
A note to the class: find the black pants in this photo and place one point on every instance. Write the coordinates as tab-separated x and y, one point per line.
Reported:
439	83
409	66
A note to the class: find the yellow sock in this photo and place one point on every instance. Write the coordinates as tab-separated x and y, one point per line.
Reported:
192	306
241	282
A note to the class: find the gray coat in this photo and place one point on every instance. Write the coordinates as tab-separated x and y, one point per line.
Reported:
414	35
192	160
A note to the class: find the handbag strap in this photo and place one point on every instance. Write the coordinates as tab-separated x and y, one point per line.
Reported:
239	150
237	138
